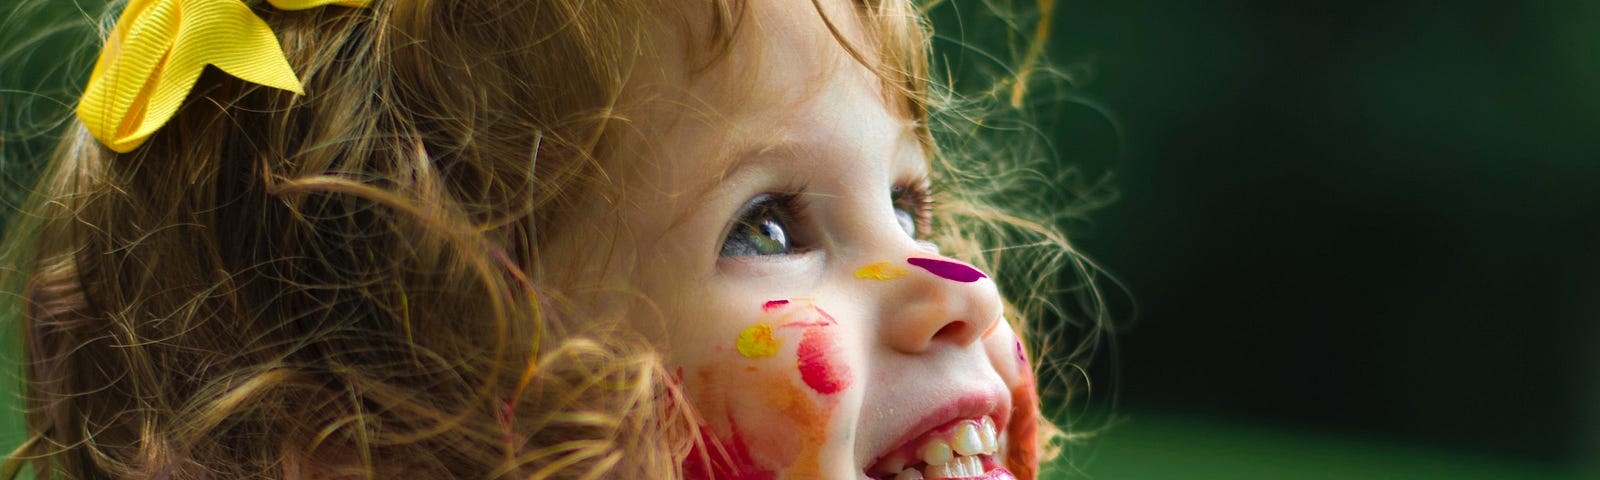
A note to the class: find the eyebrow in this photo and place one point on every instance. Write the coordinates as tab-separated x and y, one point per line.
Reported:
746	157
732	164
757	152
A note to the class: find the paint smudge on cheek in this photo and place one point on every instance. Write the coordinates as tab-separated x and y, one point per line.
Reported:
775	426
1022	431
948	270
815	361
757	342
881	271
794	429
820	319
717	456
711	458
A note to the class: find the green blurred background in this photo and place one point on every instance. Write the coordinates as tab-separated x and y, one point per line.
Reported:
1357	239
1362	238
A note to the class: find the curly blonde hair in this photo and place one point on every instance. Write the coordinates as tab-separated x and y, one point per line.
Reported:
348	283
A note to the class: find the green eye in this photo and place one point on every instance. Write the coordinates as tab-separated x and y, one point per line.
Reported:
760	230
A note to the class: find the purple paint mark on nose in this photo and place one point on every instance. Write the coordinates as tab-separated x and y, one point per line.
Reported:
773	305
959	272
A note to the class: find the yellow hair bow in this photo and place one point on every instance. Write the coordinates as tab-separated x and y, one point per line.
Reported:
157	50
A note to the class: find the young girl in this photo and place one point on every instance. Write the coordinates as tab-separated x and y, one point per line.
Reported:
518	238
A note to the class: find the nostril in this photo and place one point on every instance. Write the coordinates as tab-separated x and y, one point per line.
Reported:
953	332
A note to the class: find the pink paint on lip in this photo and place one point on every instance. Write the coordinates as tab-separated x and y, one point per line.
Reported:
773	305
948	270
822	375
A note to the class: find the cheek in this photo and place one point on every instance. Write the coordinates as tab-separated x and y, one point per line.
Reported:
768	403
1010	359
1007	355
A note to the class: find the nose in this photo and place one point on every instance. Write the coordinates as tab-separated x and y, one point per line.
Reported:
938	302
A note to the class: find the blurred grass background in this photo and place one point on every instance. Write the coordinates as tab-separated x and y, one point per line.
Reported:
1358	239
1362	238
1172	447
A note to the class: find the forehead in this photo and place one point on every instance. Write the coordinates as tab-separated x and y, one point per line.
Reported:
765	47
784	77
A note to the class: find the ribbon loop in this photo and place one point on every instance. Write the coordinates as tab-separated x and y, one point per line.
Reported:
157	50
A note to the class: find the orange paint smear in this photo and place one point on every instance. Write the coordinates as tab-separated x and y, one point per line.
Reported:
1022	437
992	327
811	416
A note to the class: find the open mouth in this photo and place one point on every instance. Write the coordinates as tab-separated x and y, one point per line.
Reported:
963	449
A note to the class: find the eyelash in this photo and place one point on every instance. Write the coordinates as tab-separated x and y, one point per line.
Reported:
791	209
794	209
916	198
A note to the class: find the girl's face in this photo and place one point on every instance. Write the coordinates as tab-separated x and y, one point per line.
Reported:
768	222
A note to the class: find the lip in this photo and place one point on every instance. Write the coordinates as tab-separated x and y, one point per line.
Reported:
992	403
998	473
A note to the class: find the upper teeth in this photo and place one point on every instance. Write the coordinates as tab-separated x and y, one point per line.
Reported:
967	440
952	456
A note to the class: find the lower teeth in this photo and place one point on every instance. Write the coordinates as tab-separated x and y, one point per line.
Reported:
960	467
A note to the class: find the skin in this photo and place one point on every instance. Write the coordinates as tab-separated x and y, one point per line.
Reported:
857	362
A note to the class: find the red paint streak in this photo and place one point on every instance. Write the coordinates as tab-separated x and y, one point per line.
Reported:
822	320
803	324
713	459
947	269
773	305
828	319
825	377
1022	437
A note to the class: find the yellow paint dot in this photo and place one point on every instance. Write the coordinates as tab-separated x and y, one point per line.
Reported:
881	271
757	342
